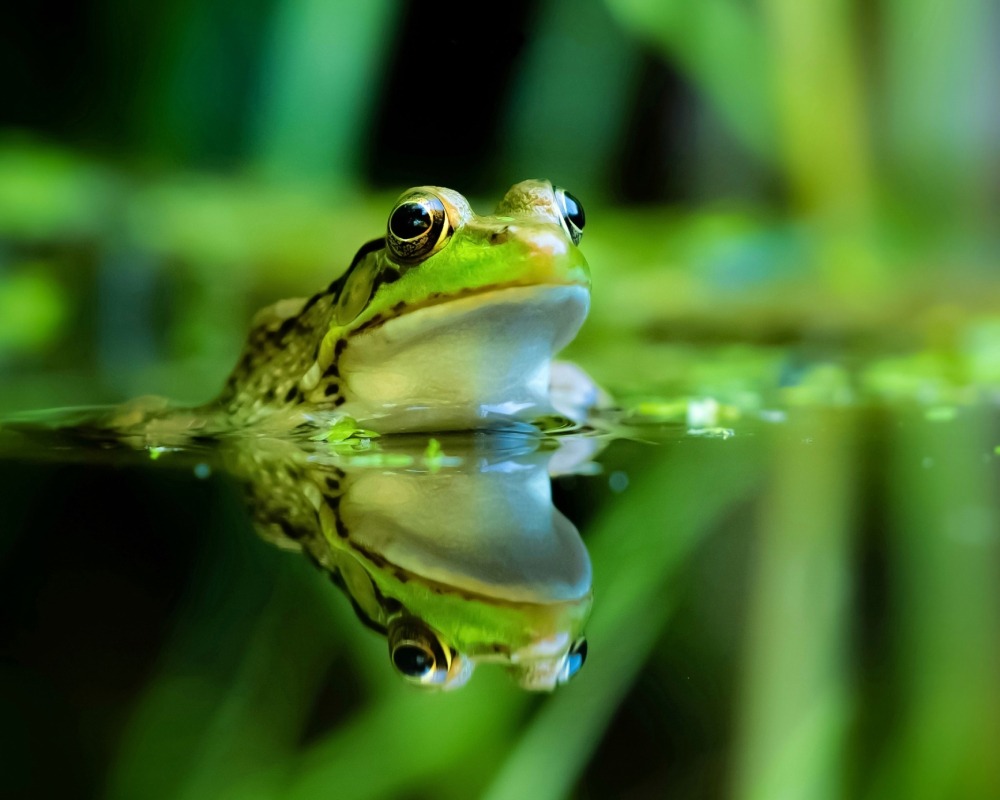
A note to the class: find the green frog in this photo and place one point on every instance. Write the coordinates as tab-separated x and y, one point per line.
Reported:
448	322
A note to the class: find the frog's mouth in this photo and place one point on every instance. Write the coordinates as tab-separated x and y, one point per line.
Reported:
466	360
486	293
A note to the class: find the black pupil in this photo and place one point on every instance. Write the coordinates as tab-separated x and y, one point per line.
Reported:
409	221
412	660
574	210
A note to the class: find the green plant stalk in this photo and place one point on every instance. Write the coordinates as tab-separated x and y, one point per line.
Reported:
945	596
795	699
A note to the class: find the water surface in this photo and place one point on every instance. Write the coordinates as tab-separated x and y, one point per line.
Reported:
805	604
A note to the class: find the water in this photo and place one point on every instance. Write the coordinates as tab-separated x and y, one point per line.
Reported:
805	607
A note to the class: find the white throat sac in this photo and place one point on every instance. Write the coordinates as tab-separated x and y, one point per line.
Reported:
474	362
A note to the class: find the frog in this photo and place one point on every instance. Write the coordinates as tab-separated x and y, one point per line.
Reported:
458	562
449	321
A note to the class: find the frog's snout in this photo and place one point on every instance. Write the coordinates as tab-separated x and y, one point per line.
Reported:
543	238
548	253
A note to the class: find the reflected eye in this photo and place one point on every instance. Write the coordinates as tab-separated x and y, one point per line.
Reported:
575	658
573	218
418	227
413	660
417	652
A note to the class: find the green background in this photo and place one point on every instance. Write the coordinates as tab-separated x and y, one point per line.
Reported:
791	210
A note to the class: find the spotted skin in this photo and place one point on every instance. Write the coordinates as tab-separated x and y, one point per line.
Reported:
295	505
283	363
279	352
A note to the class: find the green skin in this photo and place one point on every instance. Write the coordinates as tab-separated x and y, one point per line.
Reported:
456	338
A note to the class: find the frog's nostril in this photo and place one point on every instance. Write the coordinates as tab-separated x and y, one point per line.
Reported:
500	236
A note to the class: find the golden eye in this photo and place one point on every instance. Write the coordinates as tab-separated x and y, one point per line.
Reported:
418	226
571	209
417	653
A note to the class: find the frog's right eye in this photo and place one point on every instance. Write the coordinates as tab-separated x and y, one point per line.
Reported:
418	654
571	209
575	658
418	227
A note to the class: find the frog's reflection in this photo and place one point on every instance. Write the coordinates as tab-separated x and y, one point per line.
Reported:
457	561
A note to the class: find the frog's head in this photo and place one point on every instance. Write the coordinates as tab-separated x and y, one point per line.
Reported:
458	314
437	250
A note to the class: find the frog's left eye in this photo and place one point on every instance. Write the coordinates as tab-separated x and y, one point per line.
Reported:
418	227
418	654
573	218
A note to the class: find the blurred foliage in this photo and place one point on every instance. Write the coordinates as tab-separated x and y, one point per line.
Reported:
32	310
791	224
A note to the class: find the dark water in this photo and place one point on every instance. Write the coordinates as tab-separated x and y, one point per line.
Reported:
806	608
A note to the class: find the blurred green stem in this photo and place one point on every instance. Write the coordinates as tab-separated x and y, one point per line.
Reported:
820	105
718	44
323	59
942	77
786	83
795	698
553	130
945	599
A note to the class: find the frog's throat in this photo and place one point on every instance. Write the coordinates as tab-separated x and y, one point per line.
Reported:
472	362
492	535
484	558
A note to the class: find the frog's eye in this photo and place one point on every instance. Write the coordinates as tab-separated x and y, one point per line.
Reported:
418	226
573	218
575	659
418	654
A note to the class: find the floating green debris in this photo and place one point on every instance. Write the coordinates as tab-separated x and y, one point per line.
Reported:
433	455
344	431
712	433
664	410
695	412
379	459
